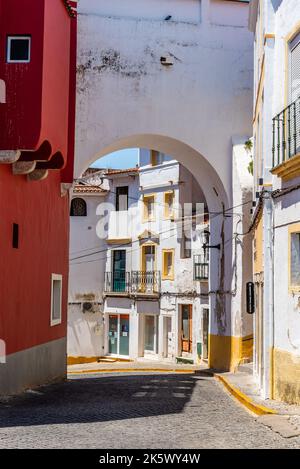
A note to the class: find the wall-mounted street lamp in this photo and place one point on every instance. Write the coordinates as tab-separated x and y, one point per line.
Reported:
205	235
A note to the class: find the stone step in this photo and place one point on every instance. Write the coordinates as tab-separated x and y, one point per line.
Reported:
184	360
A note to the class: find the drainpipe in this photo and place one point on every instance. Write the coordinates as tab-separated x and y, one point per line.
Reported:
268	309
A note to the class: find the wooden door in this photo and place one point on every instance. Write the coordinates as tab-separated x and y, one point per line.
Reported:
186	328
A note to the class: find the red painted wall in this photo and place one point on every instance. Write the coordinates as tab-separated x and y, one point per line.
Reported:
25	273
23	81
40	107
37	108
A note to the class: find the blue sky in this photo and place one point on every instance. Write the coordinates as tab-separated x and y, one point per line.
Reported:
122	159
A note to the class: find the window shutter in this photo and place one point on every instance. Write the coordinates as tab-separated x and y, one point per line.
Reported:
295	69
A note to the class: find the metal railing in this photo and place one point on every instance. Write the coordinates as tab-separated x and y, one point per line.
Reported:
201	268
117	282
132	282
286	133
145	282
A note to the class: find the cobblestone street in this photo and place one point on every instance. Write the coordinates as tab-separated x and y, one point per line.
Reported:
133	411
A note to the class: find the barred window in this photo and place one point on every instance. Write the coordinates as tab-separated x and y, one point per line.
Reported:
78	208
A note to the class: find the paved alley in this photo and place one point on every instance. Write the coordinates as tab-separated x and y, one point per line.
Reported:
133	411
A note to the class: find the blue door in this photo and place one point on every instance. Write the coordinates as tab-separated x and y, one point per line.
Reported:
119	270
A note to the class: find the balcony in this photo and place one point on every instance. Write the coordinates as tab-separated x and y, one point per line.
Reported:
145	283
117	283
286	142
132	283
201	268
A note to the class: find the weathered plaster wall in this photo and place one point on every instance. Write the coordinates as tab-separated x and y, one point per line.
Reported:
242	322
86	281
191	109
286	357
279	373
123	90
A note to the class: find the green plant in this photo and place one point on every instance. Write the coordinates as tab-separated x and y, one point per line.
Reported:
248	147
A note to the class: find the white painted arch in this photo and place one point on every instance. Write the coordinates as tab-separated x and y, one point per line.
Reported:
191	109
203	171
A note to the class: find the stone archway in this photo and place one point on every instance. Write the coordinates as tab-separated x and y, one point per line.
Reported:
190	108
218	202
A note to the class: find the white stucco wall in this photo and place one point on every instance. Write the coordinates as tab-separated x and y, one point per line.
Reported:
242	323
191	109
281	326
286	208
88	332
86	281
124	91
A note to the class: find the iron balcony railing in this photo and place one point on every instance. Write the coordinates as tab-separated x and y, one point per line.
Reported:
286	133
145	282
117	282
132	282
201	268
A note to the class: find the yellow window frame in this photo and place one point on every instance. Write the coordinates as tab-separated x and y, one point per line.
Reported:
167	214
165	274
146	198
292	230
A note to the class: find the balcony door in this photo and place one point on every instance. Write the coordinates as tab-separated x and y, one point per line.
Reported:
149	253
150	338
119	270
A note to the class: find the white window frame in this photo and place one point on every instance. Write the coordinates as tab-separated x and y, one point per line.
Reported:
55	322
9	39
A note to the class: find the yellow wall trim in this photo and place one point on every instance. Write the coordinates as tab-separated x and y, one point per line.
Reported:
268	36
244	399
71	360
165	275
286	380
227	352
289	169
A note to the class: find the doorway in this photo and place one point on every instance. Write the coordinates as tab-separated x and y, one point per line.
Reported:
118	335
205	328
168	337
186	328
150	337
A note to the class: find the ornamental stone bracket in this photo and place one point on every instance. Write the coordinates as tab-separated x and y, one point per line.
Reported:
9	156
23	167
37	175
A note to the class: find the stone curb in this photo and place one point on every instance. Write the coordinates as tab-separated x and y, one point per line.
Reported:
244	399
130	370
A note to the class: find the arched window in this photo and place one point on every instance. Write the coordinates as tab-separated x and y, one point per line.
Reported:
78	208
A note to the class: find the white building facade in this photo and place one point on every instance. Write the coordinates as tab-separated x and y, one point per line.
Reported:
276	178
154	300
174	76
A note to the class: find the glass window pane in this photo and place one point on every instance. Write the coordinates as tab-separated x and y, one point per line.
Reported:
185	322
149	333
18	49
